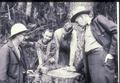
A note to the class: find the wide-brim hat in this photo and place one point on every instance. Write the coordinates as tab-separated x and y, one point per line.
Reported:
77	11
17	29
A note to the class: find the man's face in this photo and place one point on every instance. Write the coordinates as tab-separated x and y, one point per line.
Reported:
21	37
80	20
47	36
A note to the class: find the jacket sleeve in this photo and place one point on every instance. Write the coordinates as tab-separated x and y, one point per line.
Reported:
111	28
73	47
38	53
4	53
57	46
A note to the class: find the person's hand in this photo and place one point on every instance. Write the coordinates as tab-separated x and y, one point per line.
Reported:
52	60
44	69
108	56
30	72
71	68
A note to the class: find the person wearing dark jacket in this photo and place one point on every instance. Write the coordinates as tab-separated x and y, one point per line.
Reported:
12	65
66	44
100	45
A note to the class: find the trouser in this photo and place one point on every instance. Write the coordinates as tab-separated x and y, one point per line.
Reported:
99	71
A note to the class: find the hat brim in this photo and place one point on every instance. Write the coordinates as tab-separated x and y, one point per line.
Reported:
78	14
18	33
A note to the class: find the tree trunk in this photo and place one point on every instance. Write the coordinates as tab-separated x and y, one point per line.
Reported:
9	16
20	5
51	4
3	5
28	8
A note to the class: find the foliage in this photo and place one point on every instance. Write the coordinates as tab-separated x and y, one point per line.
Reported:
107	9
43	15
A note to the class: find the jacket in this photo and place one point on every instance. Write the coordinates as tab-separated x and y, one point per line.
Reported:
11	66
105	32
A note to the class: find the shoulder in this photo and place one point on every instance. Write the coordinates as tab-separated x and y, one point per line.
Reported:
52	44
74	31
52	41
5	48
38	43
7	45
58	32
105	21
100	18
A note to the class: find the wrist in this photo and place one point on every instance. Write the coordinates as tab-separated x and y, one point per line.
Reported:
40	66
70	65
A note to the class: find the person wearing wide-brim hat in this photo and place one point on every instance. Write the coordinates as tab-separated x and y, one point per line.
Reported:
78	11
100	44
12	65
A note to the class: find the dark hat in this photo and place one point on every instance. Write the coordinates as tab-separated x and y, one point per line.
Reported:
78	14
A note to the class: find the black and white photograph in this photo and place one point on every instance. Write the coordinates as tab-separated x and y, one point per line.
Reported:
59	42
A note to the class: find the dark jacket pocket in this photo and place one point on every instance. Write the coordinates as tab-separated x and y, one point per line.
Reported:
13	70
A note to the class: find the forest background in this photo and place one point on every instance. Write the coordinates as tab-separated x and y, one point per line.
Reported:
38	16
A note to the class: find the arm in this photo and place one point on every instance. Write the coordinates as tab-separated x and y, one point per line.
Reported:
110	27
4	53
52	51
73	47
39	54
57	46
41	68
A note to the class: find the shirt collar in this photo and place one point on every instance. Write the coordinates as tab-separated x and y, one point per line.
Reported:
89	21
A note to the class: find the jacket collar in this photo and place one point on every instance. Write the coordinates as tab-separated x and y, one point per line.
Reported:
10	44
20	59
